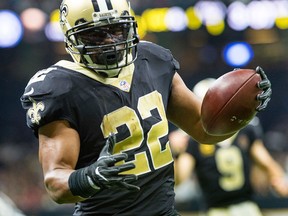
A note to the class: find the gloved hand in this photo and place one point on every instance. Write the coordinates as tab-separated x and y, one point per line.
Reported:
265	84
104	173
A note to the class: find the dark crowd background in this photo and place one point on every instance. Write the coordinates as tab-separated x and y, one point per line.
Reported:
20	172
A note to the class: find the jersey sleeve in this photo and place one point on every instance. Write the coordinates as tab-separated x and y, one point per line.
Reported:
47	98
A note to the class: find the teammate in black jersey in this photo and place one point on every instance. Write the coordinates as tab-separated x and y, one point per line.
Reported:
102	120
223	170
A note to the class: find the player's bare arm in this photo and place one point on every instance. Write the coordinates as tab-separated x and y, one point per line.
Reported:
184	110
58	153
59	150
274	171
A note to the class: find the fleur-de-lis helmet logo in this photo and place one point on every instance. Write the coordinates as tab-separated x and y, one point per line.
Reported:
63	14
34	112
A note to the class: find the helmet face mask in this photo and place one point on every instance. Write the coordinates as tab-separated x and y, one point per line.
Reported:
100	40
105	45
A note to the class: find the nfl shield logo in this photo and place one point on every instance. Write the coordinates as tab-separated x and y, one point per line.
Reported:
124	85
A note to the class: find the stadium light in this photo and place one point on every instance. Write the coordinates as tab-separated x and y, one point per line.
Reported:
262	14
237	16
52	30
33	19
178	24
238	54
11	31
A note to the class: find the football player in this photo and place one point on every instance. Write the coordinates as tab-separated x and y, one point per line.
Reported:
223	171
102	120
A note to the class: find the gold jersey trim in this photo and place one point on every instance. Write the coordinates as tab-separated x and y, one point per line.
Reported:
123	81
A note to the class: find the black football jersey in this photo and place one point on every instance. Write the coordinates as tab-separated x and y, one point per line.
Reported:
133	106
223	172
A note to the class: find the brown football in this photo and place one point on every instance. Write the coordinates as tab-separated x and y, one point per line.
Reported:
231	102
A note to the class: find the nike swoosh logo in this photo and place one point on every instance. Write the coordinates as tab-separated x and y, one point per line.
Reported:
30	92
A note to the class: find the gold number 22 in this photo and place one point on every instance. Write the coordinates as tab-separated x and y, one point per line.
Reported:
153	157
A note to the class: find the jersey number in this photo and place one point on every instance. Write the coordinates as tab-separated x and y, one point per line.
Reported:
156	156
40	75
230	164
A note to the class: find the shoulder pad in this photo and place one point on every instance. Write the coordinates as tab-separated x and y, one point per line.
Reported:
150	51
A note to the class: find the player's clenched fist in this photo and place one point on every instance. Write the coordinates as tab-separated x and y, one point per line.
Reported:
103	173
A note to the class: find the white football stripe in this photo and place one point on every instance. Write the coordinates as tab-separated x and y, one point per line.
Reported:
30	92
102	5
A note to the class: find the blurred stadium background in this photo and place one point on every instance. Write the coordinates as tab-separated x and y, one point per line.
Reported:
209	38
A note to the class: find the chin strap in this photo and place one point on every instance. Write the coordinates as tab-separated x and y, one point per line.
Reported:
109	73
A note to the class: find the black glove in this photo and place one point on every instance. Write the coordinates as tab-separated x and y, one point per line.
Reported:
103	173
265	84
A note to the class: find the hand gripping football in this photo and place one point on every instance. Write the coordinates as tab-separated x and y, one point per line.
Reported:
231	102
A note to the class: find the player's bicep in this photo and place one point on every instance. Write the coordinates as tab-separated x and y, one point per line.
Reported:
59	146
184	107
